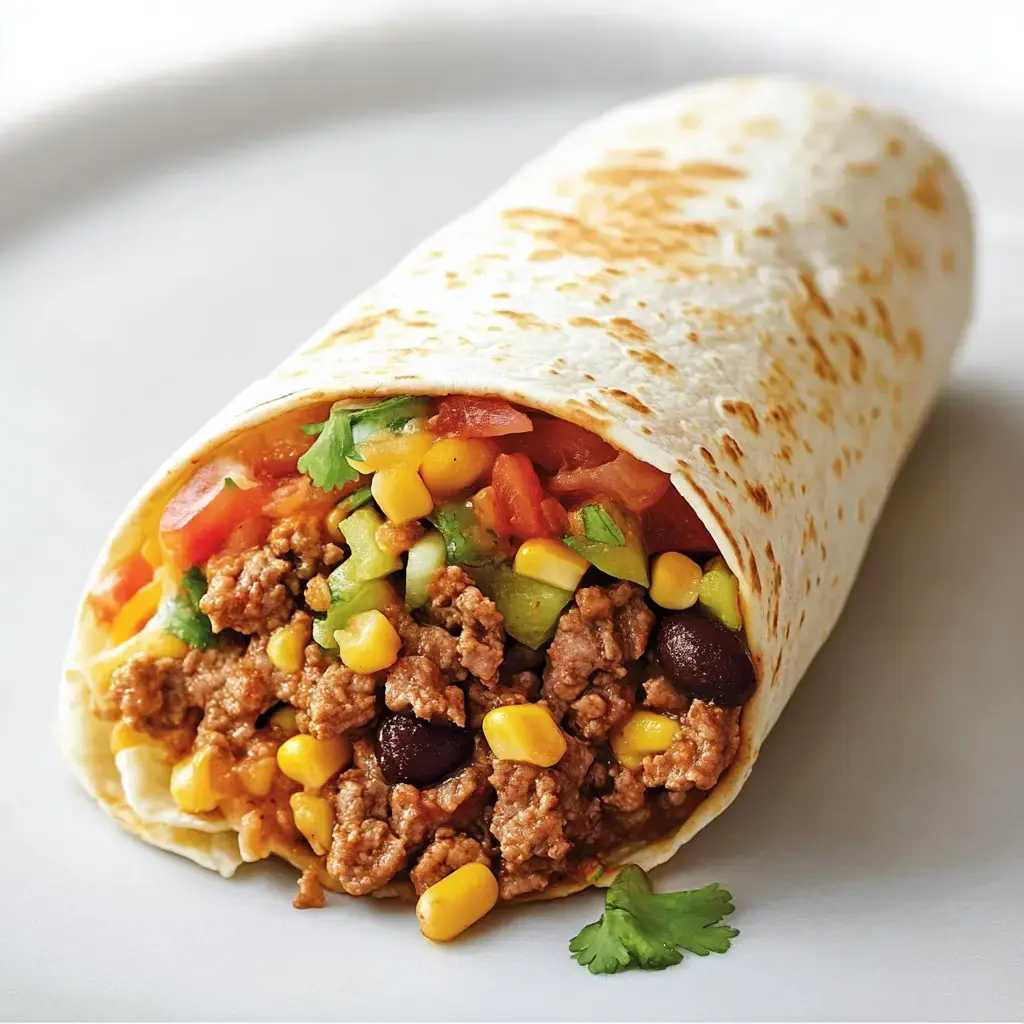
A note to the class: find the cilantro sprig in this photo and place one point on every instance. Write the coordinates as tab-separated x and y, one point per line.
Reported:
327	461
644	930
179	614
598	525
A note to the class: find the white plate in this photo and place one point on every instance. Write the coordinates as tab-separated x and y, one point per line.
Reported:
161	246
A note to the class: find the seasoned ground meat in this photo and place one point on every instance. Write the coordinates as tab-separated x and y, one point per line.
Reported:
362	790
448	852
248	592
149	693
416	684
341	700
603	707
602	633
395	538
311	892
249	686
364	857
301	538
661	695
629	793
457	603
522	688
705	747
416	813
433	642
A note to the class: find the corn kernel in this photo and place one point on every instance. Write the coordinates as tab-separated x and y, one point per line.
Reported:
460	899
453	464
719	594
286	647
486	508
369	643
257	775
551	562
123	736
524	732
314	819
192	783
312	762
401	494
387	449
644	733
153	642
332	523
675	580
284	720
136	612
152	550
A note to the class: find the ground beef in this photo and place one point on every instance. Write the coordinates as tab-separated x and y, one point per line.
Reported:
604	706
417	813
341	700
364	857
247	592
416	684
311	892
362	790
301	537
606	629
249	686
457	604
332	554
532	876
629	792
395	538
448	851
148	693
522	688
661	695
703	749
431	642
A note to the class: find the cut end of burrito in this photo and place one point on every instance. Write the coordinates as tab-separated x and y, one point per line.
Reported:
387	642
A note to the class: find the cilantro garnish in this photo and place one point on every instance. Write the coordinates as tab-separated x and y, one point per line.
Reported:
646	930
180	616
326	463
598	525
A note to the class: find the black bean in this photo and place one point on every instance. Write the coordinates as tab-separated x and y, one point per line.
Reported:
705	660
412	750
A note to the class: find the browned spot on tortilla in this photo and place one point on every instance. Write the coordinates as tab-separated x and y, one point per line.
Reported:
786	632
915	343
689	121
860	511
824	414
803	611
755	576
651	360
763	231
745	412
859	317
589	377
814	296
569	286
630	330
725	501
927	191
810	533
708	457
693	336
823	367
762	127
595	404
733	203
646	430
785	453
357	331
544	255
456	282
778	659
894	147
760	497
501	295
628	400
857	361
885	328
948	261
840	513
862	168
711	170
583	321
908	254
526	321
781	417
732	448
604	299
836	216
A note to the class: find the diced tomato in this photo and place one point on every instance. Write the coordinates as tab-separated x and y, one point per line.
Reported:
249	533
672	525
625	479
296	494
519	496
125	580
469	416
556	444
556	516
201	516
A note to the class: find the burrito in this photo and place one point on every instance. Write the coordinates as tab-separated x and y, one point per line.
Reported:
506	574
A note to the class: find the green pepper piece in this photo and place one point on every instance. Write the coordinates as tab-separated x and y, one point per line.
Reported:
366	560
392	414
531	608
625	561
426	556
467	542
358	597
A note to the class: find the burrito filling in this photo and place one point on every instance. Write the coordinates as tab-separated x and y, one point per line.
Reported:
391	642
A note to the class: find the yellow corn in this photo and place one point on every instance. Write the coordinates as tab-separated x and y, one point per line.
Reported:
152	550
719	594
192	783
675	580
389	449
312	762
368	643
123	736
257	775
460	899
485	507
332	523
283	720
401	494
551	562
524	732
314	819
644	733
452	465
285	648
153	642
136	612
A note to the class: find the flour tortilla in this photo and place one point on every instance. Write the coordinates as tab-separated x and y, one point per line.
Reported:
754	284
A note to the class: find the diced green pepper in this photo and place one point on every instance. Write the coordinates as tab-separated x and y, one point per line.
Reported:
358	597
392	414
531	608
467	542
366	560
426	557
718	594
624	561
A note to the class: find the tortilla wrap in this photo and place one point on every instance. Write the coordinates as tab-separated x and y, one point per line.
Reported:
756	285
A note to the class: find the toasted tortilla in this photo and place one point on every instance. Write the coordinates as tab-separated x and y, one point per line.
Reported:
755	285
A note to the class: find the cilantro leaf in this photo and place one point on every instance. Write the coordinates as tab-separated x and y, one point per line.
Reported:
646	930
326	462
600	526
179	614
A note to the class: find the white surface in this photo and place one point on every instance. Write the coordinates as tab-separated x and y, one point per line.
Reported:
161	246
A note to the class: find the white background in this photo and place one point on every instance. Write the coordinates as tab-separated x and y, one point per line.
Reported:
187	191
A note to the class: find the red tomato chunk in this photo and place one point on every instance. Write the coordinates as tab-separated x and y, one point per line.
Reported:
464	416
